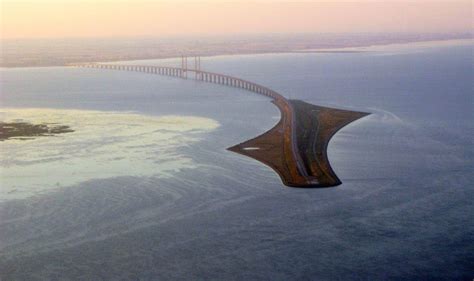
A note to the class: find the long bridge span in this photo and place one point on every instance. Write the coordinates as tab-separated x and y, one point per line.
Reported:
205	76
282	148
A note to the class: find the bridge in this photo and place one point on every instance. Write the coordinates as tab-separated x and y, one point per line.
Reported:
279	147
205	76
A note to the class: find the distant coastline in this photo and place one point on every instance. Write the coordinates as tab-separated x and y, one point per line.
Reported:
61	52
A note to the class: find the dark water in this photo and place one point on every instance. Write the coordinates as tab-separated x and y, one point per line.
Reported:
404	210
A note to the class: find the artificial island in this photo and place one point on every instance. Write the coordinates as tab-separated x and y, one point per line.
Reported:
295	148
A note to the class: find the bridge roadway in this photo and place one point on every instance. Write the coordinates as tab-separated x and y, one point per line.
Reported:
285	156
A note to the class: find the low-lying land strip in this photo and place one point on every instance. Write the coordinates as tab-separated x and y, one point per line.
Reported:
62	51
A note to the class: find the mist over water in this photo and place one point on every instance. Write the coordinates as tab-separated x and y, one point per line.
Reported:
404	209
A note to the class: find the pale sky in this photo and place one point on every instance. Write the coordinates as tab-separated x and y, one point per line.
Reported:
107	18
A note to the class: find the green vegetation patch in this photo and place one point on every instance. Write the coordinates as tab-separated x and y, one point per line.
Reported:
24	130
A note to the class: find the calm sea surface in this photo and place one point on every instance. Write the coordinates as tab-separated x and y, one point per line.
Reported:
144	189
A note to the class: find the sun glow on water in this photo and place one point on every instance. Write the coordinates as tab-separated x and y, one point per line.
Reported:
103	145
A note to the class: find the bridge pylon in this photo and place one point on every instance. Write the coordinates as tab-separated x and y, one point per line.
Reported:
196	70
184	67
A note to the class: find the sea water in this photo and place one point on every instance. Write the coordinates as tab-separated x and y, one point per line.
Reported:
144	188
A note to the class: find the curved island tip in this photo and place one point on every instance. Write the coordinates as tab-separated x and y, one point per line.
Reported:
296	147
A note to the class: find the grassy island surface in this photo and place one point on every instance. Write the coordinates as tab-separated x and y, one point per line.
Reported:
25	130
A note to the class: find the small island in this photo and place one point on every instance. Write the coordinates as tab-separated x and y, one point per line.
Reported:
25	130
296	148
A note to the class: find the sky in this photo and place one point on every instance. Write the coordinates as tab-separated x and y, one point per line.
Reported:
107	18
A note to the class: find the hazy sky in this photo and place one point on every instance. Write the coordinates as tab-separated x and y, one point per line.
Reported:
79	18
